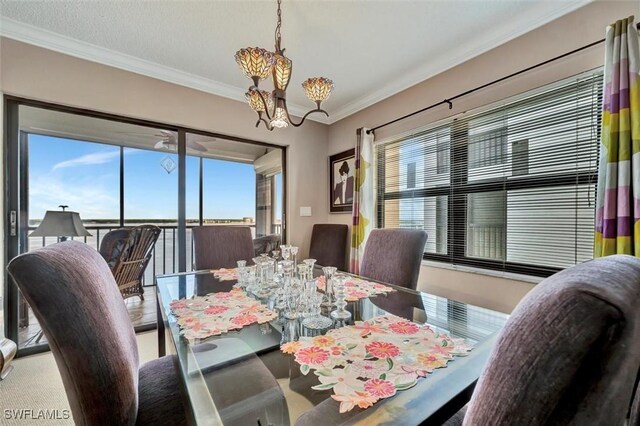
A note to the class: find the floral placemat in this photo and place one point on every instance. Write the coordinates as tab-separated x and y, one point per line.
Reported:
357	288
374	359
224	274
218	313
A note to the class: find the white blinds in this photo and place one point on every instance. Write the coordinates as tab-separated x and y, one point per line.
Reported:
511	187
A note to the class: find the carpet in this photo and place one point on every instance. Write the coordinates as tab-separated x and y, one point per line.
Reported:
34	388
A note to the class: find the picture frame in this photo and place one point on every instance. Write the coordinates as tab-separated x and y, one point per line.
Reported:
342	170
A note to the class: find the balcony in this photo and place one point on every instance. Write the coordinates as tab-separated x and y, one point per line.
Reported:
164	260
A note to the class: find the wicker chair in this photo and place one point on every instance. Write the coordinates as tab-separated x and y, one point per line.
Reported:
127	252
266	244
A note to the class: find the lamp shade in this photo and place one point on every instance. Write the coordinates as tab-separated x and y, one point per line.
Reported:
60	224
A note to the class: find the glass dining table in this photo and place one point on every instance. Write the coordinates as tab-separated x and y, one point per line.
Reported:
242	376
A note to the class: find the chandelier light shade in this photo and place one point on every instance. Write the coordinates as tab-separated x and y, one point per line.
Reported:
257	102
257	64
318	89
281	72
279	120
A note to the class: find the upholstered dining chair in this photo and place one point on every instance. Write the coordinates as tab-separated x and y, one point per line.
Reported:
221	246
74	297
329	245
569	353
394	256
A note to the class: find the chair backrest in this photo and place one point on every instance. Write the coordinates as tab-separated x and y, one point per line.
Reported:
221	246
73	295
113	244
569	353
135	256
266	244
394	256
329	245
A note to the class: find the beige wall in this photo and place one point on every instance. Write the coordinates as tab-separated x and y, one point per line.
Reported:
41	74
563	35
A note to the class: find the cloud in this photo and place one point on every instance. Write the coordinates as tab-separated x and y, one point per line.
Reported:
88	159
91	196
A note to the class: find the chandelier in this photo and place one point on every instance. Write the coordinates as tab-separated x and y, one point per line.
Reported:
258	64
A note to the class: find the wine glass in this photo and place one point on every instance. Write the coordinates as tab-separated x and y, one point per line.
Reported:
285	251
294	253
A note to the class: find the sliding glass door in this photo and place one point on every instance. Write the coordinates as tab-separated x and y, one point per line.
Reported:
119	173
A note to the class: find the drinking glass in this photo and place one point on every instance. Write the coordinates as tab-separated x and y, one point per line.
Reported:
315	321
292	301
287	268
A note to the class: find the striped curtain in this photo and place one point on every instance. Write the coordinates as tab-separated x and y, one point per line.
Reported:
364	205
618	196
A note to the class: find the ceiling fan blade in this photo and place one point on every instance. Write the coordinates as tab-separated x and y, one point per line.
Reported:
196	146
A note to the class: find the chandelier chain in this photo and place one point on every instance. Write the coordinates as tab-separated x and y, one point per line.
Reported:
278	36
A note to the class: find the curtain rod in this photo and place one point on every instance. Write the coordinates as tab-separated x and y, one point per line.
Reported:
449	101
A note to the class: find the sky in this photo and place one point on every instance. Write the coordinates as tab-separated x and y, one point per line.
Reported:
85	176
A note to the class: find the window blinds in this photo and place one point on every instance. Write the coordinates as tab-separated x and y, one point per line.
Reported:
510	187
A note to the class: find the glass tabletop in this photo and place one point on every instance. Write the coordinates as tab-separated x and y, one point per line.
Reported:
242	377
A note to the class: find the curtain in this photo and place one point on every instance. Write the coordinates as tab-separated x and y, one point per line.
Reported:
618	197
363	198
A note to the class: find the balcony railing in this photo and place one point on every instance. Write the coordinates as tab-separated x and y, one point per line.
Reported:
164	259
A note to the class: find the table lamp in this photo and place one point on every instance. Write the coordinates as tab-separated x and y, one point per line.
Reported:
61	224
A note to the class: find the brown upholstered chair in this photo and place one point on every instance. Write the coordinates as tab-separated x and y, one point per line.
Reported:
329	245
266	244
93	343
569	353
127	252
394	256
221	246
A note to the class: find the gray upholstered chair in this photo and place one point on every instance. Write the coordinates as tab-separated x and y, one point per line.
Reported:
329	245
569	353
394	256
74	296
221	246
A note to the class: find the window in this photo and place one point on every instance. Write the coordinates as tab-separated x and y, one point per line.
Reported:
510	187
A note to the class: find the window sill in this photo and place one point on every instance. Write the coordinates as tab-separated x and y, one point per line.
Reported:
470	269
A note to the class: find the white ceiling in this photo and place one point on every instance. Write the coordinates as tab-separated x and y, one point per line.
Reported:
371	49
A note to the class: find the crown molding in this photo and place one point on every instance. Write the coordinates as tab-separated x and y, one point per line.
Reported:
428	70
50	40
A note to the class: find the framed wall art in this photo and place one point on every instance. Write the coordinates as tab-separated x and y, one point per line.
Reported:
342	170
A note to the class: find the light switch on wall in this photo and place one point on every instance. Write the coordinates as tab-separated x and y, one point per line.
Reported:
305	211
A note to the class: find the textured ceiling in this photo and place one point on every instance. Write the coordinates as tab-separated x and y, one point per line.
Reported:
371	49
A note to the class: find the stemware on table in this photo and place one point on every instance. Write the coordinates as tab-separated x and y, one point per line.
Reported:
339	288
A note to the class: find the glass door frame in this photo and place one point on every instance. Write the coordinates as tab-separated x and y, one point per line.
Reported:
16	191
